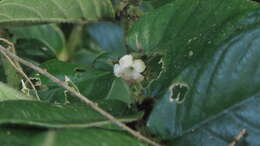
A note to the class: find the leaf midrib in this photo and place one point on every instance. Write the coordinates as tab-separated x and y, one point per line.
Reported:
100	123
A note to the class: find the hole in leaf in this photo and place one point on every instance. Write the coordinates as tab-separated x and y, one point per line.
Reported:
79	70
154	67
178	92
36	82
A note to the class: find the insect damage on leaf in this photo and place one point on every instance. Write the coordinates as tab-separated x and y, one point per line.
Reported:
178	92
79	70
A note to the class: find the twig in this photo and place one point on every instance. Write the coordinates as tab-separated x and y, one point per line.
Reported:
17	67
241	134
81	97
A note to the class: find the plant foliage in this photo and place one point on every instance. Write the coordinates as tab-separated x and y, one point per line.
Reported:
201	83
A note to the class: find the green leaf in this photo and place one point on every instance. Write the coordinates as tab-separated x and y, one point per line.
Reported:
33	50
211	62
8	93
120	91
49	35
12	136
2	72
59	115
183	37
223	99
109	36
92	83
66	137
73	71
93	137
24	12
90	57
158	3
221	129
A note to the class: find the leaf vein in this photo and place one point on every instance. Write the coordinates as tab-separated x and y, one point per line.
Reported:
81	9
60	8
245	122
26	7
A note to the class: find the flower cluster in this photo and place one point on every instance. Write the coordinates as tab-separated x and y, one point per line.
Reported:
130	69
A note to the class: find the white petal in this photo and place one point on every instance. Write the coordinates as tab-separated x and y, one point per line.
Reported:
130	74
127	73
137	77
117	70
126	61
139	65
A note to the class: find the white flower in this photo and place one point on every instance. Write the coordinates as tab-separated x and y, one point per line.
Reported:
130	69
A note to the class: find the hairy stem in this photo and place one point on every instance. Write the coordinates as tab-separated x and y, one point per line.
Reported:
81	97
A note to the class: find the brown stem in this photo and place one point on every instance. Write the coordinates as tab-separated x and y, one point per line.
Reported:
81	97
17	66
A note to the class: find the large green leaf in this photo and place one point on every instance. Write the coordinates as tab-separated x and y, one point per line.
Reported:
59	115
8	93
68	137
211	61
20	12
184	31
50	35
223	97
